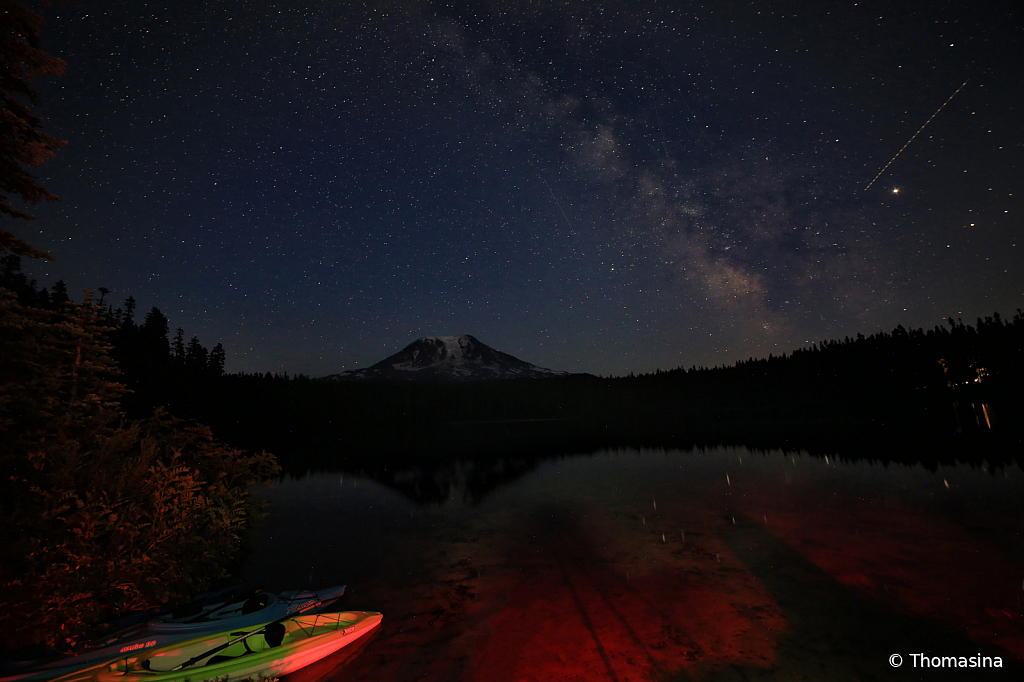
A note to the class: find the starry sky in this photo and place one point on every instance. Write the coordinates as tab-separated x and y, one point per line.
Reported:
604	187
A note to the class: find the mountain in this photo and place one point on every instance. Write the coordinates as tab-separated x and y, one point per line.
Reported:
448	358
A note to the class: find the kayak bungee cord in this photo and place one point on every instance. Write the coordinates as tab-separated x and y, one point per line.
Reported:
305	607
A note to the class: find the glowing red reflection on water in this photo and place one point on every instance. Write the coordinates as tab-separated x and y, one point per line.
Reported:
575	615
922	563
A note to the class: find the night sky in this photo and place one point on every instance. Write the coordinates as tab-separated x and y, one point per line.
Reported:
593	187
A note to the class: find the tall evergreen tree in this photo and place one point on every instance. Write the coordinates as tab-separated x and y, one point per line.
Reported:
10	271
153	338
98	516
195	356
59	294
179	348
216	363
23	144
129	311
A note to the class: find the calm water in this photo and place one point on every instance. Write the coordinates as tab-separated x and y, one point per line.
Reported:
666	565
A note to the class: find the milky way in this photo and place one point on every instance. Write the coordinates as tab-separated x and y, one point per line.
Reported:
591	187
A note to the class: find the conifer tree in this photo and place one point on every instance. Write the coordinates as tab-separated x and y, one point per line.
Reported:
216	363
23	144
97	515
153	338
10	270
179	348
59	294
195	355
129	312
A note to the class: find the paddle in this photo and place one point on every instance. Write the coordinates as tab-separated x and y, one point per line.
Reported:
312	603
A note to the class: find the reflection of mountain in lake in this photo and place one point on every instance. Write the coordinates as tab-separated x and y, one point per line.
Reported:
468	482
447	482
705	564
463	482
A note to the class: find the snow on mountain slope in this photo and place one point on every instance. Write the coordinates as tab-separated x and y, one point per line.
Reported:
448	358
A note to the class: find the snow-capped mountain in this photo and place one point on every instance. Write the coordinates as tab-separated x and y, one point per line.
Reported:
448	358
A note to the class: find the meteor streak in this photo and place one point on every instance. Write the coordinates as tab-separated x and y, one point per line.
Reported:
572	230
914	135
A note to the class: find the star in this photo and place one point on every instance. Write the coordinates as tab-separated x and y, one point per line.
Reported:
270	181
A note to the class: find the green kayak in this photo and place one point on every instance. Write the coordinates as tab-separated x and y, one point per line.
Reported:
270	650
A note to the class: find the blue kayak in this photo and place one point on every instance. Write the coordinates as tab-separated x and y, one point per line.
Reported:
179	625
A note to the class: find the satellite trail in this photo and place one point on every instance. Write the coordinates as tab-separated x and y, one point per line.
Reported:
913	136
568	222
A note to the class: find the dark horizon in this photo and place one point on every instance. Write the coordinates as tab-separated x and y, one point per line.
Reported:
19	282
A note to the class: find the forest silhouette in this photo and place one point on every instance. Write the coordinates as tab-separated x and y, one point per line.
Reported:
102	513
109	504
916	395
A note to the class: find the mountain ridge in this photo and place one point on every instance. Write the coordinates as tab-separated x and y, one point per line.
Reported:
448	359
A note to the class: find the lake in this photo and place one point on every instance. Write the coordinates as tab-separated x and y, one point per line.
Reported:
716	564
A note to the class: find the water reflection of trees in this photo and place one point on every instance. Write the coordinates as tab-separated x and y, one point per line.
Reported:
468	482
462	482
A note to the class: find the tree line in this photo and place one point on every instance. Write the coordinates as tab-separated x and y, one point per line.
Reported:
100	512
914	391
108	503
888	388
153	366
